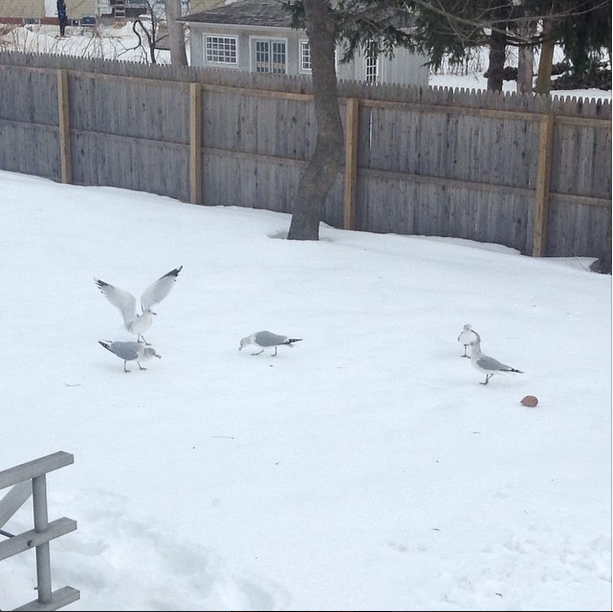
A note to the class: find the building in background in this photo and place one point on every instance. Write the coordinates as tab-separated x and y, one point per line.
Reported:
256	36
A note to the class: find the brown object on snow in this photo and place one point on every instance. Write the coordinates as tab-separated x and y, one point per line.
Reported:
530	401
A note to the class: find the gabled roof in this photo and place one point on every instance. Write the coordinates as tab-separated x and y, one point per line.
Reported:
261	13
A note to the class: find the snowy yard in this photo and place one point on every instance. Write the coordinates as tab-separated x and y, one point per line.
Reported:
365	468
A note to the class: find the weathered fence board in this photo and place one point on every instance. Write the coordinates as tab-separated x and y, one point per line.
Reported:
434	161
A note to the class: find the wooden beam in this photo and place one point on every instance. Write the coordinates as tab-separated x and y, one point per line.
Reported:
63	109
195	143
351	162
34	468
13	500
543	177
31	539
60	598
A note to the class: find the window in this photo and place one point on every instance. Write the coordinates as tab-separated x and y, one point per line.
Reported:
269	55
305	56
220	49
372	69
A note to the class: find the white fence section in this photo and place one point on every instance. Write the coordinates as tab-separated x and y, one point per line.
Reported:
25	480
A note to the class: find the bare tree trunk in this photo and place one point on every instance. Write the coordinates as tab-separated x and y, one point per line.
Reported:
525	62
176	37
319	176
495	71
543	81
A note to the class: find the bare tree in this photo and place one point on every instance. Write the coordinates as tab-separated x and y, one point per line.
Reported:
149	29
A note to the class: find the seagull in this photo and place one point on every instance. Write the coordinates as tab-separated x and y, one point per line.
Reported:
467	336
139	323
488	365
266	339
130	351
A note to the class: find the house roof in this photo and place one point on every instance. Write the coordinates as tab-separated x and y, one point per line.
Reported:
268	13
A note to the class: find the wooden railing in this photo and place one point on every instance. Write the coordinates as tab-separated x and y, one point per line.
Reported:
25	480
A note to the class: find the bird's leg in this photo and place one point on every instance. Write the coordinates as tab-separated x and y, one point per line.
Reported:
487	379
254	354
141	337
140	366
275	353
464	355
125	369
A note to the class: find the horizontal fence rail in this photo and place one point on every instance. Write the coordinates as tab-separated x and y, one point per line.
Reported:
529	172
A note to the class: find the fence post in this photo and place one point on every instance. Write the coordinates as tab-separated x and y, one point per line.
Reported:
41	523
543	177
351	162
63	109
195	143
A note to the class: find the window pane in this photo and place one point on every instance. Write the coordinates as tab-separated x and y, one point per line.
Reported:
220	49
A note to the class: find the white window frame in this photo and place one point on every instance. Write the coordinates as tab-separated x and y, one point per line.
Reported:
371	69
216	56
305	56
271	41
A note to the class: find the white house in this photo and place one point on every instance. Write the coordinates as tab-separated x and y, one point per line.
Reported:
256	36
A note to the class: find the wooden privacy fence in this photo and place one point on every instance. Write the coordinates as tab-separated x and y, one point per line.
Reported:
529	172
25	480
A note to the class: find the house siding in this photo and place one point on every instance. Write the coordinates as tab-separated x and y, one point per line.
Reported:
404	68
244	38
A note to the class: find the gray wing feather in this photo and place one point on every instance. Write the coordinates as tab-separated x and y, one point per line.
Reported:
266	338
491	364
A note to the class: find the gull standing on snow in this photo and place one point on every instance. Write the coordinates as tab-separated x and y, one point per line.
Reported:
139	323
488	365
467	336
266	339
130	351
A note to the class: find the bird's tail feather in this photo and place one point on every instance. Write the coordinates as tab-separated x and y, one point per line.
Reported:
290	341
106	344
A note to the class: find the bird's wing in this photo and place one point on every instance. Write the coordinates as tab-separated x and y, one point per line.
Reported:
159	289
124	350
121	299
266	338
493	365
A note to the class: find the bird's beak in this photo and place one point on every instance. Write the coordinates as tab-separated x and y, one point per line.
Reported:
158	356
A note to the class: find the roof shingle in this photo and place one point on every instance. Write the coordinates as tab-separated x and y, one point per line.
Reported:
268	13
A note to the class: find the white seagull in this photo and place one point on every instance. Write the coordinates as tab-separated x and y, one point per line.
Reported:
266	339
488	365
139	323
130	351
467	336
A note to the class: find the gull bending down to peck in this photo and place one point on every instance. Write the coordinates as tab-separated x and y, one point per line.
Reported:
488	365
139	323
130	351
266	339
467	336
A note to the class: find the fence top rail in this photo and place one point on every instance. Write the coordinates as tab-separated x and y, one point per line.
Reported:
37	467
570	106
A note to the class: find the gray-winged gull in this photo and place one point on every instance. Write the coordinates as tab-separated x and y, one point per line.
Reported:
130	351
266	339
467	336
139	323
488	365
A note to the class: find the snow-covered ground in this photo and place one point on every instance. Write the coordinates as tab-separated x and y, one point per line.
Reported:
365	468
